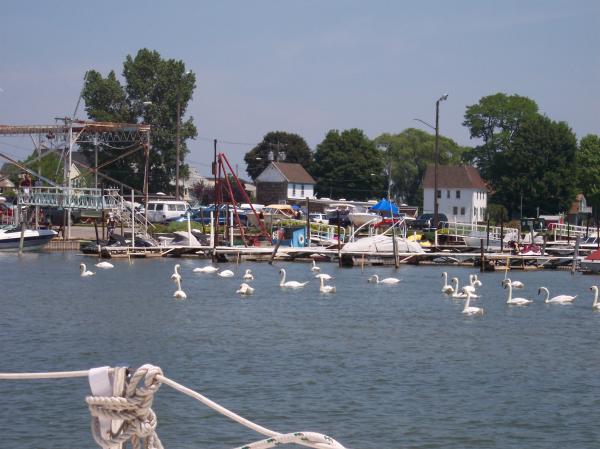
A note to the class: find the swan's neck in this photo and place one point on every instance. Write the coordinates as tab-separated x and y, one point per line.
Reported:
509	292
547	294
376	278
178	283
595	303
282	277
445	279
468	301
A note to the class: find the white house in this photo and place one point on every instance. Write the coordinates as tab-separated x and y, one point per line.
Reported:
283	181
462	194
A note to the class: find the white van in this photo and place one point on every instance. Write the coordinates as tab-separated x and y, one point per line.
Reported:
159	211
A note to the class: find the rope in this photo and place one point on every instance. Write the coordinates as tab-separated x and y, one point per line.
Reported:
139	420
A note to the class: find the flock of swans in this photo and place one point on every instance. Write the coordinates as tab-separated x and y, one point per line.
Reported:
468	292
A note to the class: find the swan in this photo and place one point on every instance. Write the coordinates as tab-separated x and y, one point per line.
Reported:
245	289
462	293
176	274
389	281
315	268
84	271
560	299
475	282
326	288
468	309
206	269
595	304
515	284
225	273
290	284
515	301
248	275
447	289
105	265
179	294
325	276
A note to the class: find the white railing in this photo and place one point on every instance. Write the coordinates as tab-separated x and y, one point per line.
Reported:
475	230
326	232
560	230
73	198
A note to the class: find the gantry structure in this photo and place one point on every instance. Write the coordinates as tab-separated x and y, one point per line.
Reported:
75	133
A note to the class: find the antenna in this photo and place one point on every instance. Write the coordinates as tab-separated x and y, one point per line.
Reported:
80	95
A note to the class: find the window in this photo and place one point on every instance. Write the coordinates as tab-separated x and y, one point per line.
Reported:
458	195
302	190
455	210
447	193
159	206
475	212
181	207
439	193
462	209
293	189
172	206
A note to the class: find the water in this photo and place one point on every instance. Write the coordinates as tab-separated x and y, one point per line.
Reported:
374	366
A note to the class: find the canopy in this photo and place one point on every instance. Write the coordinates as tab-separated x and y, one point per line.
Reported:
385	206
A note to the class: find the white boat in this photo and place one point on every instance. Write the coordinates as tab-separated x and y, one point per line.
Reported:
382	244
10	238
360	217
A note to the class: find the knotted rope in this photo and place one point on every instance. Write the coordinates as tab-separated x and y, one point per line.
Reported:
139	420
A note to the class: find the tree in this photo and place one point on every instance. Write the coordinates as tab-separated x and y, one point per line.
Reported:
148	78
278	146
588	164
348	165
410	152
496	119
539	168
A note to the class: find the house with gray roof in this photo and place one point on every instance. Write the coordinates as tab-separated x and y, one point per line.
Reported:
462	194
282	182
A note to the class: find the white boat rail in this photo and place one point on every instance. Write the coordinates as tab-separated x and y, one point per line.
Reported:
560	230
475	230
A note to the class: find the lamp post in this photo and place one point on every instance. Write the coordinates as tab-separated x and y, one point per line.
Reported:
178	136
437	156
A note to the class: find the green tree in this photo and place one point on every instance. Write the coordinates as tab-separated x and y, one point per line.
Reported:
410	152
539	168
588	164
348	165
154	87
277	145
495	120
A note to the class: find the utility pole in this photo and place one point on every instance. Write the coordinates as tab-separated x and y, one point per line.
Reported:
437	158
177	143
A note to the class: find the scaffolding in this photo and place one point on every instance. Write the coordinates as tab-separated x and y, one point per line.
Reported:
75	133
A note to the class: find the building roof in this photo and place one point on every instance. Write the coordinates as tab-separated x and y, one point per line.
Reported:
294	172
454	176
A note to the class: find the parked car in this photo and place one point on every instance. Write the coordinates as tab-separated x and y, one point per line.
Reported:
318	218
425	222
159	211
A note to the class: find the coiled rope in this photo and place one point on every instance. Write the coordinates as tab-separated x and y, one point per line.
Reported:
139	421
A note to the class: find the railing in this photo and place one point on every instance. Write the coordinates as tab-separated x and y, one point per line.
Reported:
475	230
324	232
123	213
72	198
567	230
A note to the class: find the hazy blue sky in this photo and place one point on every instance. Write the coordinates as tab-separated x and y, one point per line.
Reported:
309	66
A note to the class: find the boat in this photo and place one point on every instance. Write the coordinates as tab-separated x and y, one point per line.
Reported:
272	215
10	238
359	217
591	263
382	244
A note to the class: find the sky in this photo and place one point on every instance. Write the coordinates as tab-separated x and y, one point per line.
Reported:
308	66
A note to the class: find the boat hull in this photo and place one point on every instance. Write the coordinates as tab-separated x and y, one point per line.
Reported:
32	240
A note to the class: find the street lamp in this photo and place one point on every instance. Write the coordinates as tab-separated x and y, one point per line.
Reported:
437	156
178	138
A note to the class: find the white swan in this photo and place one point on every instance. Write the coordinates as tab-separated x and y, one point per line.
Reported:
179	293
105	265
84	271
176	274
315	268
468	309
462	293
206	269
515	284
595	304
245	289
325	276
475	282
326	288
515	301
290	284
389	281
447	289
225	273
248	275
560	299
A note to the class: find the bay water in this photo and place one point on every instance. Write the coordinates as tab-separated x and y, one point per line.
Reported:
373	366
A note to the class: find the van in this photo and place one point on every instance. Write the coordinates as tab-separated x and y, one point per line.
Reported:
159	211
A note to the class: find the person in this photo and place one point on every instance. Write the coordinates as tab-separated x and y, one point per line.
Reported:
25	184
298	215
111	223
